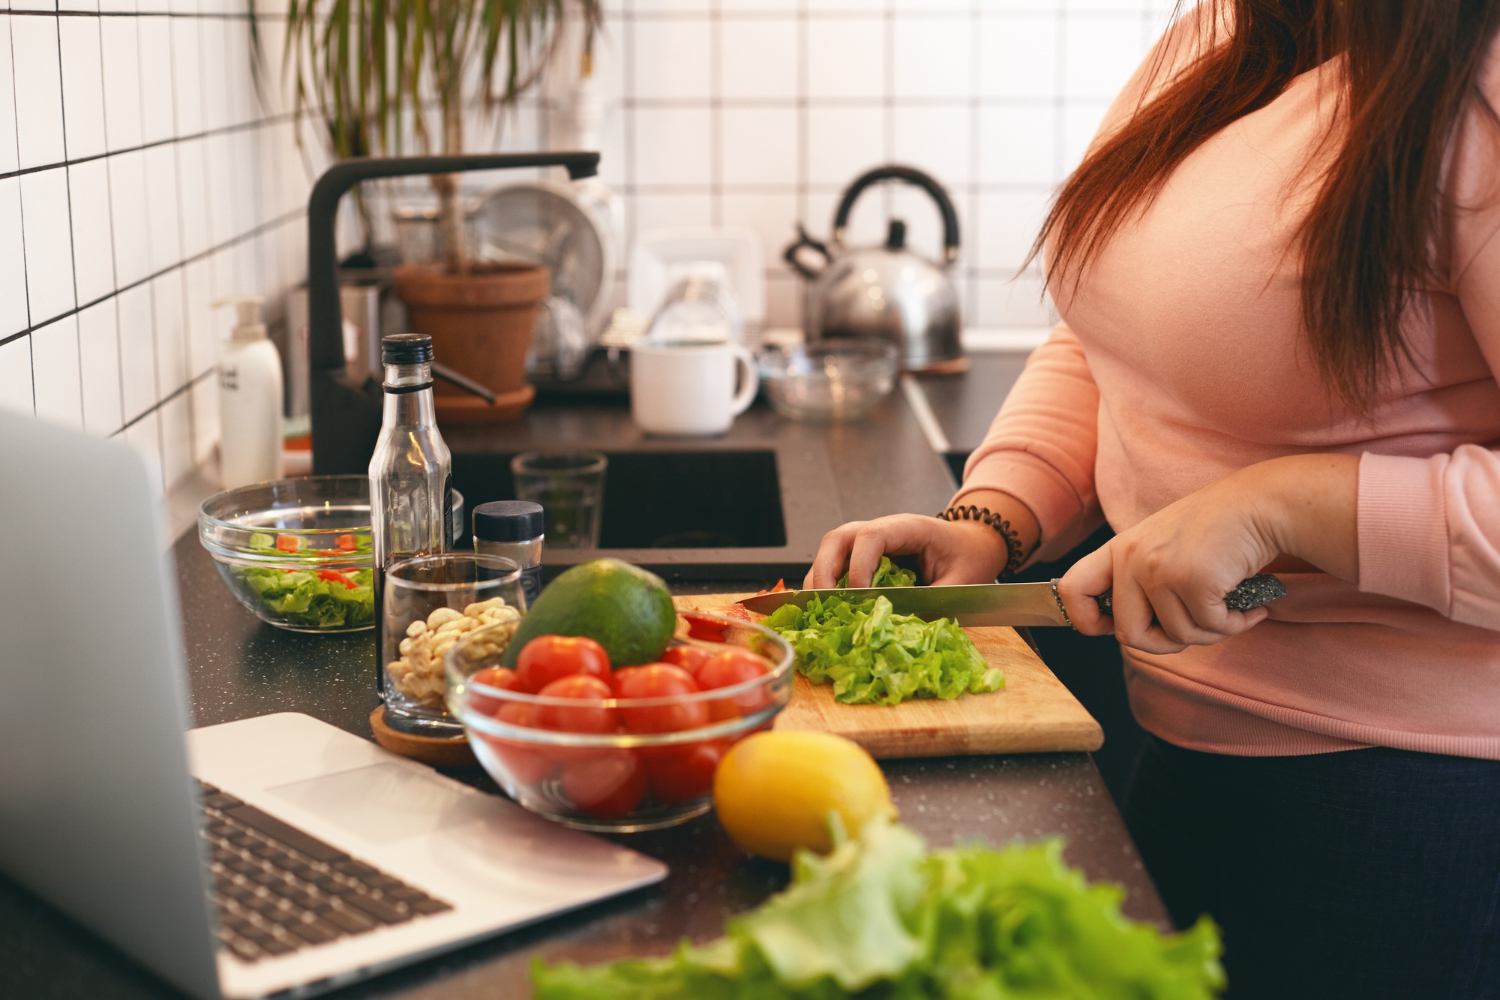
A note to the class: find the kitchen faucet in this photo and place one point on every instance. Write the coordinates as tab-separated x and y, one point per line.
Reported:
346	411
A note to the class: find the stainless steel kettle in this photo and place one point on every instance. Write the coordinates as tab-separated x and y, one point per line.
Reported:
885	291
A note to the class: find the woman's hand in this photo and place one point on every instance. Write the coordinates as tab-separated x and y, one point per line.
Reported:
948	551
1171	571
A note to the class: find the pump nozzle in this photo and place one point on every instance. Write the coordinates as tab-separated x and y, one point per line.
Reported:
248	324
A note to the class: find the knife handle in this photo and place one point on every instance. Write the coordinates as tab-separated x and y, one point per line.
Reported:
1250	593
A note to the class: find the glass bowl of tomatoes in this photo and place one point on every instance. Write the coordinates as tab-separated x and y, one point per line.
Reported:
608	748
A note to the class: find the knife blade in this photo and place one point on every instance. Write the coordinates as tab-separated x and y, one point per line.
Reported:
979	604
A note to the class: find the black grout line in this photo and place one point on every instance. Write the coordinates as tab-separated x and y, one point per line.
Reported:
182	264
157	407
62	107
177	15
279	119
715	115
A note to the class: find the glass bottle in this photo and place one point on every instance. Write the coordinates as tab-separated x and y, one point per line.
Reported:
411	472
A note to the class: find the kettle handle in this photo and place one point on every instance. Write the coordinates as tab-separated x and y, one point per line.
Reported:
792	254
910	175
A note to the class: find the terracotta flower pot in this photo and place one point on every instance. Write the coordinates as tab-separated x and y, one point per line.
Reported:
480	324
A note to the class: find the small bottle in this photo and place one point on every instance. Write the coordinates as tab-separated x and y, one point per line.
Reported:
411	472
250	394
513	529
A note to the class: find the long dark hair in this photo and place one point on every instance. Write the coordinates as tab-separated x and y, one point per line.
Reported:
1367	244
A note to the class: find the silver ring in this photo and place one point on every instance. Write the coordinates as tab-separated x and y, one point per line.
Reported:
1058	598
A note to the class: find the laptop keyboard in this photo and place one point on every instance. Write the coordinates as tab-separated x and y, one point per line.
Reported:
279	890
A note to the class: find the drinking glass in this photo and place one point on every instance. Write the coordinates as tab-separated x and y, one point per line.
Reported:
430	603
570	487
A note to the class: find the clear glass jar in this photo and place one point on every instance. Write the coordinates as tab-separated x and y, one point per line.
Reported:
512	529
430	603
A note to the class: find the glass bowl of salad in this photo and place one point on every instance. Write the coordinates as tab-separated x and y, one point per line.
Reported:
296	552
614	747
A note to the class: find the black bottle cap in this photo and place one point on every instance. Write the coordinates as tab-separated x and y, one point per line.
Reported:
406	349
508	521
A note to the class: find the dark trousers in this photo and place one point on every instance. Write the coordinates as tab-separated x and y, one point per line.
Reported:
1367	875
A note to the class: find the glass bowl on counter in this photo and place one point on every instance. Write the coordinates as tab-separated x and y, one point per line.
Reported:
296	552
618	765
833	379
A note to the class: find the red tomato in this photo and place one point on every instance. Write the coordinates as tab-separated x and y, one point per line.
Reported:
606	785
288	543
689	658
334	576
679	774
727	669
347	542
590	716
661	680
525	763
550	657
496	677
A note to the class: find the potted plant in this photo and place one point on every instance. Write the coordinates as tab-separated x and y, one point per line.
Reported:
380	71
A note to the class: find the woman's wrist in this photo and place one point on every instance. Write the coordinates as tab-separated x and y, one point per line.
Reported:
1022	526
1310	504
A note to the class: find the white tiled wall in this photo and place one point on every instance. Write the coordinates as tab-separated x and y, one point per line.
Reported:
760	112
141	179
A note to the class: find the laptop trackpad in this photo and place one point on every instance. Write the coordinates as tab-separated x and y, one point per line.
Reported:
384	803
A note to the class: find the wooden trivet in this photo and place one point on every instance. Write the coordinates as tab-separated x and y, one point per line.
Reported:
453	751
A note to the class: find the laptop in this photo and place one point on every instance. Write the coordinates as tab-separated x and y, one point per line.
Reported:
275	855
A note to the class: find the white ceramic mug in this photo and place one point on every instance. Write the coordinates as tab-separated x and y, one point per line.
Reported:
689	388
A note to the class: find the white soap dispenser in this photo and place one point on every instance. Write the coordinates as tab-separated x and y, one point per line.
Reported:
250	399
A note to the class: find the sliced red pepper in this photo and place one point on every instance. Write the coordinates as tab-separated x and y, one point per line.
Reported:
710	630
347	543
780	586
333	575
288	543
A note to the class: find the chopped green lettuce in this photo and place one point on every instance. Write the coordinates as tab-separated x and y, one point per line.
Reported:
881	919
302	597
870	654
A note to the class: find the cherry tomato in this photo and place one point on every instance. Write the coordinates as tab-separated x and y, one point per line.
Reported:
550	657
661	680
730	668
689	658
348	543
525	763
288	543
590	716
679	774
606	784
496	677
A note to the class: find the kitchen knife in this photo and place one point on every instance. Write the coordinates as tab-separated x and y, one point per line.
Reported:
995	603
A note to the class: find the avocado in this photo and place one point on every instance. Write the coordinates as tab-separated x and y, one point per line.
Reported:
624	608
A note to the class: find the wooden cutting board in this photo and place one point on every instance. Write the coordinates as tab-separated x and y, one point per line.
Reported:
1033	713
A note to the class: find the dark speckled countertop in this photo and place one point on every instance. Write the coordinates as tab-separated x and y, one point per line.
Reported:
241	667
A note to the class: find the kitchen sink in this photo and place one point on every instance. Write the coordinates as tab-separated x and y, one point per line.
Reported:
718	499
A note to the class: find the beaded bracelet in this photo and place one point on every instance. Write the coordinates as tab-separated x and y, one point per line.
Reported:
1013	549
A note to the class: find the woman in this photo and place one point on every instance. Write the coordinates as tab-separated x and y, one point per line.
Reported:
1280	288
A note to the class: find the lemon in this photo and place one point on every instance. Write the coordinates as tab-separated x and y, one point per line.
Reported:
773	791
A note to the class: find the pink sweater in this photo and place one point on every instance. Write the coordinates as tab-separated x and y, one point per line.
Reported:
1180	360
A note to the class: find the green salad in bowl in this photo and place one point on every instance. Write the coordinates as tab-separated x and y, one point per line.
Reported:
318	597
296	552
